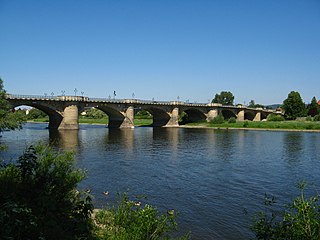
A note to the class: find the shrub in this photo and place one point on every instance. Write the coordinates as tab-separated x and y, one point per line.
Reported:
133	220
218	119
38	198
232	120
316	118
309	118
245	124
299	220
275	118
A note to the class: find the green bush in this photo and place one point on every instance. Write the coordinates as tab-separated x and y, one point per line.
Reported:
308	118
275	118
232	120
245	124
218	119
39	200
316	118
133	220
299	220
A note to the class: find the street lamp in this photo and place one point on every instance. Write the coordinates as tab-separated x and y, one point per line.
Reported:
82	93
63	92
133	95
52	94
75	91
45	94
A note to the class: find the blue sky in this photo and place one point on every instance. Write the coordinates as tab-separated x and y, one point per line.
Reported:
163	49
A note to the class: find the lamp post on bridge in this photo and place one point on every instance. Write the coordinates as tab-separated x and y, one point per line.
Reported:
82	93
45	95
75	92
63	92
133	95
52	94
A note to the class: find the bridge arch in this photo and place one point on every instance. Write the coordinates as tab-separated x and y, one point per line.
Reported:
116	118
193	115
227	113
55	118
249	115
160	116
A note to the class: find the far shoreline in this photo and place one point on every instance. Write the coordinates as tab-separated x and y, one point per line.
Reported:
216	128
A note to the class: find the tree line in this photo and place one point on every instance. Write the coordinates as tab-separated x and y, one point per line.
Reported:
293	106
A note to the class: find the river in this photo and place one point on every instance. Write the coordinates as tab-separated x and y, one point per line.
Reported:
215	179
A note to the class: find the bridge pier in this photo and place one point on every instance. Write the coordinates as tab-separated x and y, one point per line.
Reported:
70	118
211	115
257	117
123	120
174	118
240	116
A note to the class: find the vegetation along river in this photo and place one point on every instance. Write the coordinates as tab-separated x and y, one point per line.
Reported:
215	179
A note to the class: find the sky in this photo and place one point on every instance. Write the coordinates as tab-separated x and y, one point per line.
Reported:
165	49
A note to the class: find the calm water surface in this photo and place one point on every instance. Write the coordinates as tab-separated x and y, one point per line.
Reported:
215	179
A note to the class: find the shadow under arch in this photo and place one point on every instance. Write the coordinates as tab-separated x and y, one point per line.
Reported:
248	115
55	118
227	114
193	115
115	116
160	117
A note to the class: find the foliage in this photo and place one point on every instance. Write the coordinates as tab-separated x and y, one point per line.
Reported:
95	113
313	108
308	118
245	124
252	104
38	199
294	106
275	118
35	113
218	119
299	220
232	120
143	114
132	220
316	118
225	98
8	121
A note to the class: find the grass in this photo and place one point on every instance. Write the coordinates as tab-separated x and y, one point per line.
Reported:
137	122
287	125
292	125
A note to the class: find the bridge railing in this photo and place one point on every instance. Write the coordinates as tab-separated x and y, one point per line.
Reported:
13	96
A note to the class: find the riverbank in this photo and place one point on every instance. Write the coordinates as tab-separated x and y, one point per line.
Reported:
294	126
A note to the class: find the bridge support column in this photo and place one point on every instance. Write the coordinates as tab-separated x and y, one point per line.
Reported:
257	117
174	118
128	118
240	116
211	115
70	118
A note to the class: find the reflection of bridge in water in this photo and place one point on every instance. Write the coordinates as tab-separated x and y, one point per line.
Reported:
63	111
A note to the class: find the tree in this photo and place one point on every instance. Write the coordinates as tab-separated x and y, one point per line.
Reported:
313	108
252	104
294	106
224	98
39	200
8	121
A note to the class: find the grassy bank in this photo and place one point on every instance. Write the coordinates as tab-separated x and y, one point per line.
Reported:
287	125
137	122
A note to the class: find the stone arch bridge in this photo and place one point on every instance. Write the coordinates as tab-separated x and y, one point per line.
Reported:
63	111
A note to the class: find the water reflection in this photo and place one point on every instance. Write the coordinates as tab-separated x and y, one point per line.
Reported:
64	139
121	136
293	146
